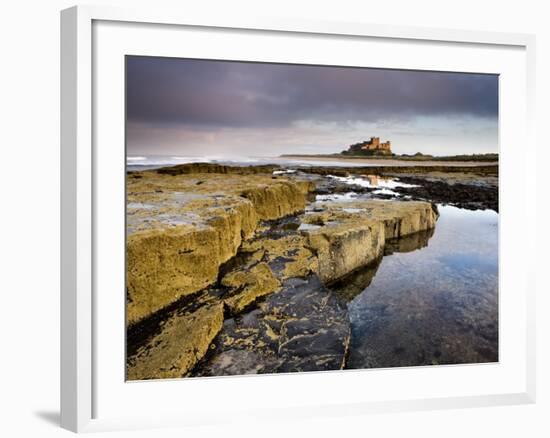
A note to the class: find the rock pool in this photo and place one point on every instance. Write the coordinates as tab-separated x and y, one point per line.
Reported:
434	305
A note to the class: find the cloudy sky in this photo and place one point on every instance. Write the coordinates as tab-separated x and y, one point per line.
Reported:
219	108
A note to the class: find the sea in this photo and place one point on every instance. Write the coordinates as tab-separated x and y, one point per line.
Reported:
144	162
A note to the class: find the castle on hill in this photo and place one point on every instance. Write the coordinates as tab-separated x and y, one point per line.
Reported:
370	147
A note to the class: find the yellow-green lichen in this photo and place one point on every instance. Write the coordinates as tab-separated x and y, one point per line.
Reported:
250	285
183	341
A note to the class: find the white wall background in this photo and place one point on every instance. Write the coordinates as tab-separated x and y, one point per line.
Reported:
29	216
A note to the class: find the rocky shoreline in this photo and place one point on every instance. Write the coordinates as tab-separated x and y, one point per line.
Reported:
471	188
237	270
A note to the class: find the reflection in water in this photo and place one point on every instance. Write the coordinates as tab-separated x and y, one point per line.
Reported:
372	179
409	243
351	285
435	305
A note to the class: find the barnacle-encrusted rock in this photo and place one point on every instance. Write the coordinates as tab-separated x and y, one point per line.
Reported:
249	285
287	256
165	264
194	168
347	236
302	327
182	228
401	218
276	200
344	246
182	342
207	236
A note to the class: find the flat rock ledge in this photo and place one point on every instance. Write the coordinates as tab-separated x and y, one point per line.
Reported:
183	341
262	298
347	236
250	285
182	228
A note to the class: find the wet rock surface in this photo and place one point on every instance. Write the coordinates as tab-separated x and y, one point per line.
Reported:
472	188
182	341
471	196
246	286
437	305
469	187
478	171
181	232
201	168
353	234
239	270
303	327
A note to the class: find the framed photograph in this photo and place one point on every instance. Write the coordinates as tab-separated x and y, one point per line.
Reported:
272	218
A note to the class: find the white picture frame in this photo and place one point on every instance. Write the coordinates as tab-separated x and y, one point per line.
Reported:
84	173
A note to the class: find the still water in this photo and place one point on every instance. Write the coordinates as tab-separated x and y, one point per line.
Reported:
434	300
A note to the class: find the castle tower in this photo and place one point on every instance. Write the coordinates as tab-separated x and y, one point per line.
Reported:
374	145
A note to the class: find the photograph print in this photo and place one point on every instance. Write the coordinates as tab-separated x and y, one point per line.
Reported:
291	218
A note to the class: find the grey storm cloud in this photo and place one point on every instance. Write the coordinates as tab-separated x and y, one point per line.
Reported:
240	94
